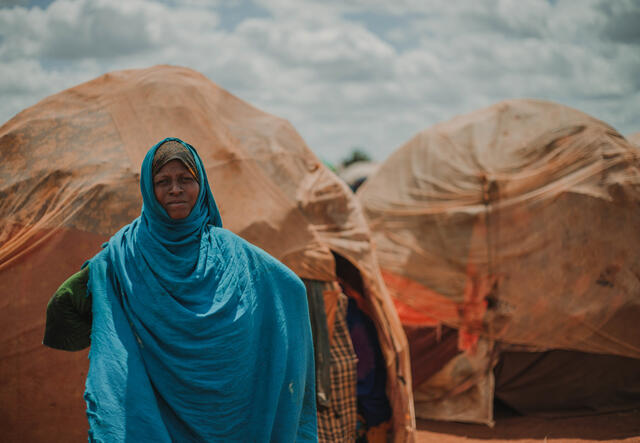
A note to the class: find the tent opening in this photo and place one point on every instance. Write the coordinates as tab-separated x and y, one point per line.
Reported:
553	383
373	406
565	383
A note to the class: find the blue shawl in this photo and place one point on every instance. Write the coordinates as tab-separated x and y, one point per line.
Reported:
197	336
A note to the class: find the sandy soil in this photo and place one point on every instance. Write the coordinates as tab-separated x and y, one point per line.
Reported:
618	427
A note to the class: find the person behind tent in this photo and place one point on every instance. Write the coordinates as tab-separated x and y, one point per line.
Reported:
195	334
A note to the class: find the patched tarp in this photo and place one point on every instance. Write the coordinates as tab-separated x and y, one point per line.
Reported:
69	178
516	224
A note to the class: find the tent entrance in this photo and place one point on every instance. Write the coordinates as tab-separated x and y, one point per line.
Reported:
561	383
373	406
554	383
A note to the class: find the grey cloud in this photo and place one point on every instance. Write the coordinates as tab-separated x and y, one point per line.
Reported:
25	82
388	26
25	3
370	73
98	31
20	30
513	26
335	53
622	20
12	3
461	58
236	12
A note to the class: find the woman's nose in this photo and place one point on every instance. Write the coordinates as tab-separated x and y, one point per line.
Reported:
175	187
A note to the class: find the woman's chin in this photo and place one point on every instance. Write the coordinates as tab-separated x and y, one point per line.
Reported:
178	215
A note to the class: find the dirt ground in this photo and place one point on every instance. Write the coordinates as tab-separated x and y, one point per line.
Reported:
618	427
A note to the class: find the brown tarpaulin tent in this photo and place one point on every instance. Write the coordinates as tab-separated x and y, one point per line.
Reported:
634	138
513	231
69	179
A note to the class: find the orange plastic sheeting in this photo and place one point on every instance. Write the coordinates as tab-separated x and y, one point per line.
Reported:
417	305
413	301
524	215
476	291
71	164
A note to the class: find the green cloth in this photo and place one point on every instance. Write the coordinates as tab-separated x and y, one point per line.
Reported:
68	326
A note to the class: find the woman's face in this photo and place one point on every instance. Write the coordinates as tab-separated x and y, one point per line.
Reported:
176	189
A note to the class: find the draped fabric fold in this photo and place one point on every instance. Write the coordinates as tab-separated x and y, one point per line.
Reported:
197	334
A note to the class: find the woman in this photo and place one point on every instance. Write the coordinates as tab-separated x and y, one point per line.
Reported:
196	335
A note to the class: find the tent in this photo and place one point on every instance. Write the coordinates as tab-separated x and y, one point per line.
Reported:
634	138
69	179
356	173
509	240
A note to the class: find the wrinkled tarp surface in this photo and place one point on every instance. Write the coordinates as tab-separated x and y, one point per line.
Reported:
634	139
69	179
517	224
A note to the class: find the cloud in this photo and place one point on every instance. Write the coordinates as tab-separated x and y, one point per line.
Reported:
335	53
77	30
69	30
621	21
24	3
367	73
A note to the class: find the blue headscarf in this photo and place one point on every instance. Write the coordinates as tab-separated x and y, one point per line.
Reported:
197	335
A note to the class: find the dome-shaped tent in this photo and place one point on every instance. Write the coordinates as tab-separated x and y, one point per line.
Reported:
513	227
69	179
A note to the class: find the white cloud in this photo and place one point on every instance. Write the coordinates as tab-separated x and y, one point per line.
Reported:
367	73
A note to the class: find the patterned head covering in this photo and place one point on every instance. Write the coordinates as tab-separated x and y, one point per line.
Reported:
173	150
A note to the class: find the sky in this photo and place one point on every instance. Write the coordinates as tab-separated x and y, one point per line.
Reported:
347	74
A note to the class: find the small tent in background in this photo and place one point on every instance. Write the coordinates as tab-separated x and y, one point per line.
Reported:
69	179
509	237
634	139
357	173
